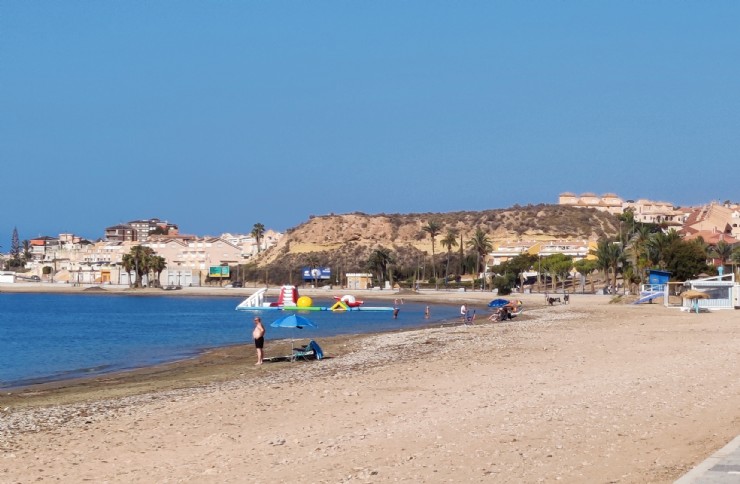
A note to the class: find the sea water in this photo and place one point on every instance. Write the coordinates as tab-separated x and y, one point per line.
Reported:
49	337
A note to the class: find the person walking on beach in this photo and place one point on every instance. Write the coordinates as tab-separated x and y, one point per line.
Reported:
463	312
259	338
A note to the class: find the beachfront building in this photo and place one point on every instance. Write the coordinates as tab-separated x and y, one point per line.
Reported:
577	249
359	280
508	250
189	260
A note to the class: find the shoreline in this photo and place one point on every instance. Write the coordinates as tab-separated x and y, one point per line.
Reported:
586	392
165	374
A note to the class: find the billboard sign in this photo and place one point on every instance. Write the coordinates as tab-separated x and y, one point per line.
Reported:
316	273
219	271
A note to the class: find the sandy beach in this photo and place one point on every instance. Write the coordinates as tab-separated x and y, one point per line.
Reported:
585	392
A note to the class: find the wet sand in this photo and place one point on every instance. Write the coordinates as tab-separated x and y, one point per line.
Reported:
586	392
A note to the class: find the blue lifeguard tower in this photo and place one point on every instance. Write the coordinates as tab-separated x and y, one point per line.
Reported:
656	286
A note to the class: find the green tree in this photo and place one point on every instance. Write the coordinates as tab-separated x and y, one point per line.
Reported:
686	259
504	284
26	251
517	265
258	231
379	261
156	264
481	244
558	266
735	257
722	251
15	249
609	256
449	241
585	267
657	246
462	255
138	259
637	251
433	228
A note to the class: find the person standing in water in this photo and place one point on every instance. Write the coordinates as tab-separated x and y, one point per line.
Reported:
259	339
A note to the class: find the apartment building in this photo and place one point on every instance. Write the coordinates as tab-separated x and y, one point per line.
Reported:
645	211
139	230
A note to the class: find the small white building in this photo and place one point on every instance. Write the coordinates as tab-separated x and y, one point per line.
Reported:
7	277
359	280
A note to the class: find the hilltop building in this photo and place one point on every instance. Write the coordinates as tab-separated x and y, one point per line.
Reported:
714	222
139	230
645	211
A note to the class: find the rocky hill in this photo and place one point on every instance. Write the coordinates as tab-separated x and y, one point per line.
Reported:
344	242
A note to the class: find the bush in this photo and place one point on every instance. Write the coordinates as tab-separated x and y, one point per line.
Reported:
504	284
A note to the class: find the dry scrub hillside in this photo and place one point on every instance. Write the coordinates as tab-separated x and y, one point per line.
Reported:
342	240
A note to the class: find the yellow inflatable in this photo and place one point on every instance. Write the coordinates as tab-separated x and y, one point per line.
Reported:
304	302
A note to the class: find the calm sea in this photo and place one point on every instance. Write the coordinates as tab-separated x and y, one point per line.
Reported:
48	337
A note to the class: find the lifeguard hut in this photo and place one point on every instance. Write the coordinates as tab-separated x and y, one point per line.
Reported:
656	287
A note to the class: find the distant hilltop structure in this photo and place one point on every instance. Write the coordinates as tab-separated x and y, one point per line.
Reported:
645	211
139	230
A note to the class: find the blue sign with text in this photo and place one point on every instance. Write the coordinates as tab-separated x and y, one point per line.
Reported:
316	273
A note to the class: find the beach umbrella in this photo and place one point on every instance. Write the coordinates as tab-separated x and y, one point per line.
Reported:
293	321
694	295
497	303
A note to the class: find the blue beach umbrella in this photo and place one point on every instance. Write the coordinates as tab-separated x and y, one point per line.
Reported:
497	303
293	321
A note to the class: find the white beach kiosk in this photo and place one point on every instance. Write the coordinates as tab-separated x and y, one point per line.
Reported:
722	290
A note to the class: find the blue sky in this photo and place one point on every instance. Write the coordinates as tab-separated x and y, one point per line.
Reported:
218	115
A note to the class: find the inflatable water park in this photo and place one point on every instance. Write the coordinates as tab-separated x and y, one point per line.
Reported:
290	300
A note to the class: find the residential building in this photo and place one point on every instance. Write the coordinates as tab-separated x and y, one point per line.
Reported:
189	260
645	211
248	243
608	202
714	219
139	230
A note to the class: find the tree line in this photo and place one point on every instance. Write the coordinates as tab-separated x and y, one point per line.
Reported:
626	257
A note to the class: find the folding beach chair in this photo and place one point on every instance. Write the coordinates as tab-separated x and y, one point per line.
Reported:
311	350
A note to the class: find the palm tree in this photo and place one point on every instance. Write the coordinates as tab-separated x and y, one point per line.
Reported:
26	251
610	255
138	259
481	244
379	260
257	232
433	228
637	249
449	241
735	256
462	255
156	264
722	251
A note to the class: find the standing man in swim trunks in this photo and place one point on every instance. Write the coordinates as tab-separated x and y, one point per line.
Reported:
259	338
